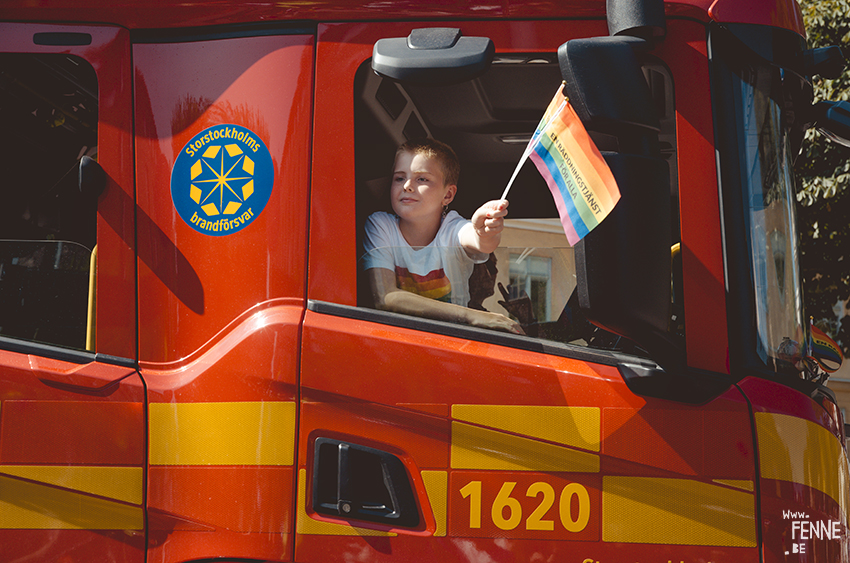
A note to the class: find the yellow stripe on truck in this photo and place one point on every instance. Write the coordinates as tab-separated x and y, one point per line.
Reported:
481	448
244	433
677	512
436	487
821	463
577	427
119	483
525	438
40	506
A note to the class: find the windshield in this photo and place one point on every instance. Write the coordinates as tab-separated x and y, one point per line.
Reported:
757	138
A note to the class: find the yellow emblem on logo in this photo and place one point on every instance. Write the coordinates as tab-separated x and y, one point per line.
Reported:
213	161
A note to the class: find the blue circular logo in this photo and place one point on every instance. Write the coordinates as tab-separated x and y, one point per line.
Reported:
222	180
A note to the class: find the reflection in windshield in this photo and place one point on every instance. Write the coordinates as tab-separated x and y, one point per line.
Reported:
770	218
44	291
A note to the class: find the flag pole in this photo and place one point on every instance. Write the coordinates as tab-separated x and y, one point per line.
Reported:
516	171
535	138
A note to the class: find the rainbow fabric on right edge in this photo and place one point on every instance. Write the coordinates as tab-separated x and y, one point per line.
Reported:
824	350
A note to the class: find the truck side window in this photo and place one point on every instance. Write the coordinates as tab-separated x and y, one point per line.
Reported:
48	230
488	122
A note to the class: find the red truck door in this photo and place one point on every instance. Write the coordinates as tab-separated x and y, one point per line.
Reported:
222	129
421	440
72	455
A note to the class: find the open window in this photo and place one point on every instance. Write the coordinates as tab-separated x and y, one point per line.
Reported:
488	121
48	220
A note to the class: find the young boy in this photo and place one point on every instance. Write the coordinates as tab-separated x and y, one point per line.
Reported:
418	261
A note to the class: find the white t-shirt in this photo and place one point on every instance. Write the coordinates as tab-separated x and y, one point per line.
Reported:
439	271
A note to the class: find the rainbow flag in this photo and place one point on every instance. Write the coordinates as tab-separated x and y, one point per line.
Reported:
824	350
578	177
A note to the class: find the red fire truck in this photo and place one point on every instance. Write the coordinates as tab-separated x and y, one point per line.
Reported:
191	368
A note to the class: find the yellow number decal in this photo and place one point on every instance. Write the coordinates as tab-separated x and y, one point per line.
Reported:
472	490
506	511
503	501
583	518
535	521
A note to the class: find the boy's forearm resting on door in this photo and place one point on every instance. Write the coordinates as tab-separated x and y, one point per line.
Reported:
388	297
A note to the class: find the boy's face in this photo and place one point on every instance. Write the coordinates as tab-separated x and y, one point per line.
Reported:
418	187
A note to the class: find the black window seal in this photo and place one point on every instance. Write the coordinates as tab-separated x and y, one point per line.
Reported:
230	31
69	355
603	357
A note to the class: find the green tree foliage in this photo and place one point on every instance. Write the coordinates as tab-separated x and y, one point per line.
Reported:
823	176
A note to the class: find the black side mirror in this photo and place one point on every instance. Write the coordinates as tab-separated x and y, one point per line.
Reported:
606	86
828	62
437	55
91	178
833	120
624	266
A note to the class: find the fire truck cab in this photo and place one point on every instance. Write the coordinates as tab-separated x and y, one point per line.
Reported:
191	365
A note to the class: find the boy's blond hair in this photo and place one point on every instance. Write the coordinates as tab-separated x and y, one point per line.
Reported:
437	150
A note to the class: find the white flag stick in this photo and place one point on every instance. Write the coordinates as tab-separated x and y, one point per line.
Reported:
516	171
530	147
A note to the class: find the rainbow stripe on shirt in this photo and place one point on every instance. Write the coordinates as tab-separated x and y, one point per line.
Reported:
433	285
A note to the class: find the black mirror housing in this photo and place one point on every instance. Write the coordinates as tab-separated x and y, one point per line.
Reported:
623	266
605	85
833	120
91	178
828	62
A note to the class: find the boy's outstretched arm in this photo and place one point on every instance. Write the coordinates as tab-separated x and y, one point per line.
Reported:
388	297
485	232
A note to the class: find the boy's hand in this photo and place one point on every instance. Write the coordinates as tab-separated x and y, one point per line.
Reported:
488	220
486	225
493	321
